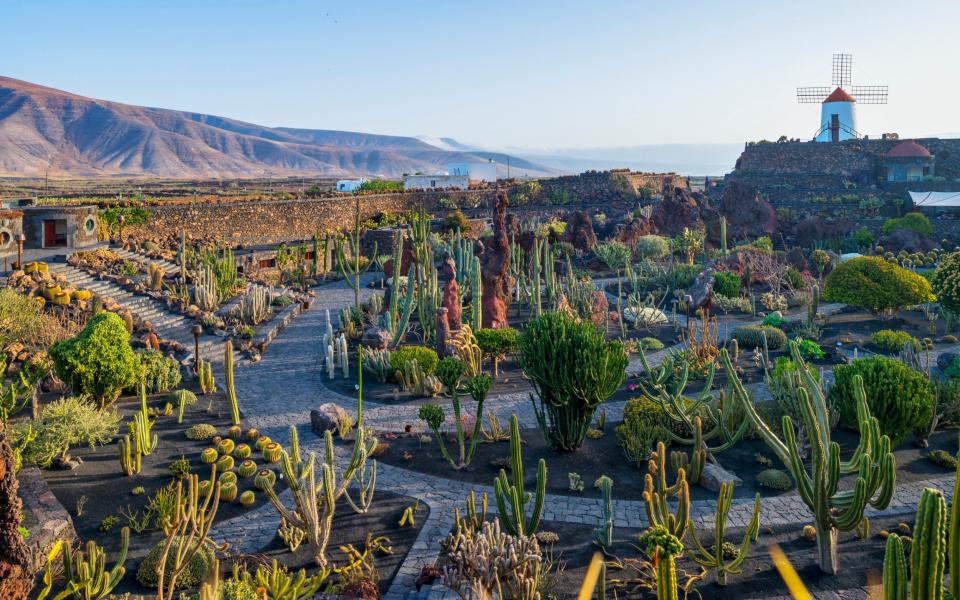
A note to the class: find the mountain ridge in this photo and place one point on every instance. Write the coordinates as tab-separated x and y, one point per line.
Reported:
47	131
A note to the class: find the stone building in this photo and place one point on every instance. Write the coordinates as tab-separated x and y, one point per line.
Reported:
60	226
436	182
908	161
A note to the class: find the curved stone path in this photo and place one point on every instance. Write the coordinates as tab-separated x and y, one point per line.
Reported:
281	390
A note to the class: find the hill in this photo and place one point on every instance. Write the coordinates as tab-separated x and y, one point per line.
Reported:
44	130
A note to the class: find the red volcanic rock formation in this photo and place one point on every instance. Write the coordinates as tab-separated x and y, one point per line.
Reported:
748	215
678	209
16	580
451	294
579	231
494	265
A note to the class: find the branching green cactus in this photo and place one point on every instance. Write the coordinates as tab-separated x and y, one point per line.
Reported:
85	573
714	558
872	460
662	547
130	456
514	517
656	495
315	498
141	427
351	269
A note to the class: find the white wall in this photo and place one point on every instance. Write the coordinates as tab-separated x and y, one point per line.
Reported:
848	120
438	182
476	171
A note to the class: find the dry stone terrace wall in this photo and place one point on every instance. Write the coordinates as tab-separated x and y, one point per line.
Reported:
266	222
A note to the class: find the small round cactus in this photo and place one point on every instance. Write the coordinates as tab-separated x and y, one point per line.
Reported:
209	455
227	477
262	442
215	440
225	446
228	492
224	463
247	468
252	434
248	498
272	452
241	452
809	532
203	488
235	432
264	479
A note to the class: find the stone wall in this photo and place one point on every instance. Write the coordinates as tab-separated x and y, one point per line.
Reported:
617	186
269	222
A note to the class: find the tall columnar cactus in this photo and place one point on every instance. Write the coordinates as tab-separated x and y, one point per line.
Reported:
397	319
205	293
536	294
315	497
476	294
656	495
428	299
514	517
953	553
714	558
351	269
814	306
894	570
873	461
603	534
928	552
723	235
228	382
662	547
85	573
254	306
130	456
141	428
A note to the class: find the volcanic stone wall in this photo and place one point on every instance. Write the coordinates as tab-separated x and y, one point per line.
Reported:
617	186
267	222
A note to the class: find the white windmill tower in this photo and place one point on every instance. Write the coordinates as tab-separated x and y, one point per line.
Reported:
838	113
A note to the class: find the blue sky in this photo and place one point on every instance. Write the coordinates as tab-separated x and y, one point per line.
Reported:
532	75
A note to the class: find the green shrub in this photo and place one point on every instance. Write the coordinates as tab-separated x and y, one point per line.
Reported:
651	343
795	278
455	221
191	576
425	357
946	282
809	349
726	284
497	342
24	321
773	320
913	221
863	238
97	361
640	429
873	283
652	246
69	422
573	369
775	479
751	336
943	458
900	398
891	341
160	373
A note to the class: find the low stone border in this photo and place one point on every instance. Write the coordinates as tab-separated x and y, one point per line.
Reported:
277	324
43	515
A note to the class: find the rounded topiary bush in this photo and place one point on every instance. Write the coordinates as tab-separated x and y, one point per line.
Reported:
426	357
877	285
891	341
946	282
751	336
191	576
98	360
641	428
899	397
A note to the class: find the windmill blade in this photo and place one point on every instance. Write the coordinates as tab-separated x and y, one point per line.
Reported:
842	68
870	94
812	95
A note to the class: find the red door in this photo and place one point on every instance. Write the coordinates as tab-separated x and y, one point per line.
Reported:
49	234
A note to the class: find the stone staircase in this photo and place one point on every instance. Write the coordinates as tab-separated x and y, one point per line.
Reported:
166	324
169	267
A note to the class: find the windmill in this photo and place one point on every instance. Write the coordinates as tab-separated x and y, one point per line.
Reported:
838	116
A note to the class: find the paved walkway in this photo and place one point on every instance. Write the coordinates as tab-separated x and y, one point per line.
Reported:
281	390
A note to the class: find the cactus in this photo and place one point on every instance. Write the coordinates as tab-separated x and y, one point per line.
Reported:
428	299
872	460
205	294
693	463
129	456
264	479
241	452
603	534
953	554
894	570
205	371
814	306
228	492
254	306
140	429
679	409
713	558
473	518
191	520
247	468
476	294
209	456
248	498
397	319
515	519
85	573
272	452
656	494
225	446
225	463
662	546
723	235
928	552
262	442
351	269
228	381
316	497
156	274
184	397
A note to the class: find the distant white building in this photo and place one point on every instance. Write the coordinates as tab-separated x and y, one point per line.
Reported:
436	182
350	185
476	171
